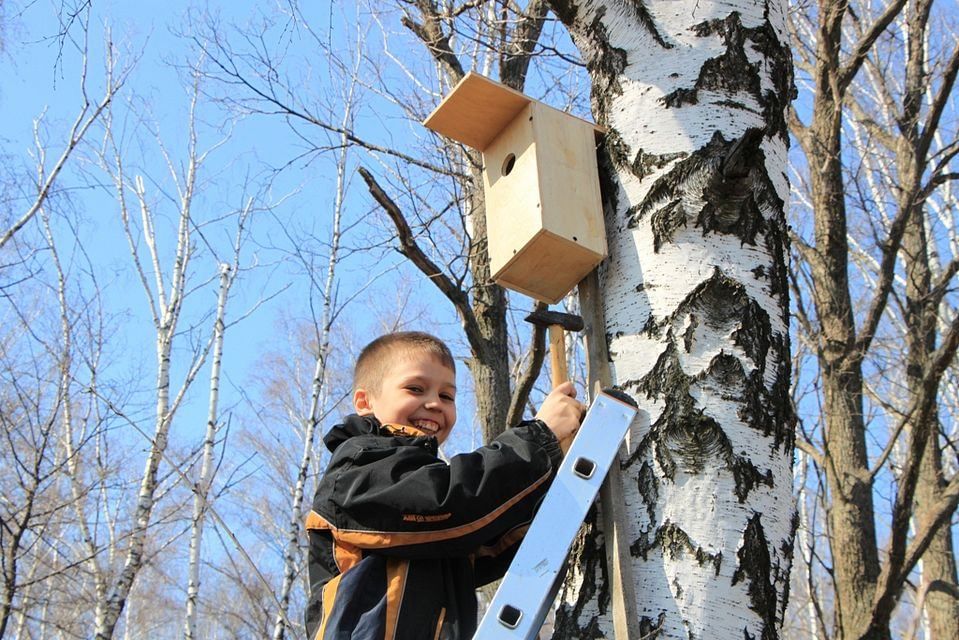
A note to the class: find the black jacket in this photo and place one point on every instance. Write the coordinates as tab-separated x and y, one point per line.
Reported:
399	539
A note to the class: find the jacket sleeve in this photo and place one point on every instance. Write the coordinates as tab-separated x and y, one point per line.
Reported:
392	495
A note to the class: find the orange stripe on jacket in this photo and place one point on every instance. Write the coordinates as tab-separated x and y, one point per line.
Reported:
396	570
329	597
504	543
439	623
385	539
315	521
345	555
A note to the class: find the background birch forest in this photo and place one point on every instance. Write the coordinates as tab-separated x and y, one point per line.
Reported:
205	211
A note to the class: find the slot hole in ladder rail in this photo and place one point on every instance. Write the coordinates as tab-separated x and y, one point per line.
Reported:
509	616
584	468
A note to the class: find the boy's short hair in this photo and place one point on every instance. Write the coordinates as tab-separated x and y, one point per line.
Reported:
373	363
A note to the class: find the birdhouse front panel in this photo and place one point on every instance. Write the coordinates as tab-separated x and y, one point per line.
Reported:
543	209
510	182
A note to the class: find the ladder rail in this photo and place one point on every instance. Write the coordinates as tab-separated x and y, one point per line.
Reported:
532	580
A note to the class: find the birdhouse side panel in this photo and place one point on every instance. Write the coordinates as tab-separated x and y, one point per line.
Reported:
568	178
513	207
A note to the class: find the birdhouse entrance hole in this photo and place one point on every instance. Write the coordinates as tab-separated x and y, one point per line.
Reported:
508	164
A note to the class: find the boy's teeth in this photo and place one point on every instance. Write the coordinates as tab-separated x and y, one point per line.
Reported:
425	424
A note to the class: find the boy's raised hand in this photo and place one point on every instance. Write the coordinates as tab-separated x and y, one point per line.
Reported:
562	413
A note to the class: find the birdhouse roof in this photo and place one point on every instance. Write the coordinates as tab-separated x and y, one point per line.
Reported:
477	110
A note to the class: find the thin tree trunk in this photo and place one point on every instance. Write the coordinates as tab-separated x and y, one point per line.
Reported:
938	562
693	97
201	496
166	308
489	361
292	554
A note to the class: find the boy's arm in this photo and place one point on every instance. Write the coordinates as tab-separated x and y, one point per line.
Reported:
393	496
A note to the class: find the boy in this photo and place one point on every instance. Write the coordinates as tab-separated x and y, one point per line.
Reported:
399	539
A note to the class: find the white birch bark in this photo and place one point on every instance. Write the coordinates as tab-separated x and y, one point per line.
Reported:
201	496
76	480
292	557
695	299
165	300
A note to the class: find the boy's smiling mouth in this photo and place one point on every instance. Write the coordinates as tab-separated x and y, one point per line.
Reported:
429	426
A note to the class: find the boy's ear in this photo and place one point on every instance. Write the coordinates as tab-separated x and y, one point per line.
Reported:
363	402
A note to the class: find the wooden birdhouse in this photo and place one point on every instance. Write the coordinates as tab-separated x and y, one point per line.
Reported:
543	212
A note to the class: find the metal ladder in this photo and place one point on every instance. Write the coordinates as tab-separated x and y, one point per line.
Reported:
532	581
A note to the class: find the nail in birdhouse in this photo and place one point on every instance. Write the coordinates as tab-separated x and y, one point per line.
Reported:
543	210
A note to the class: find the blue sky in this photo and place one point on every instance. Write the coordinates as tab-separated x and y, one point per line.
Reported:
40	77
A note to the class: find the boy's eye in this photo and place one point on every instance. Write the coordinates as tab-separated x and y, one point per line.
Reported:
414	388
448	397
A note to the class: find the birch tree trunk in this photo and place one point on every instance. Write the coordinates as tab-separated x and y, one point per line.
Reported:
165	298
693	95
292	558
201	496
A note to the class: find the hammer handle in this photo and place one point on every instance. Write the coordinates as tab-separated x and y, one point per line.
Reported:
557	355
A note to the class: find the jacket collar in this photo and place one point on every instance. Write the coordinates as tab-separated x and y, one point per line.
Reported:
352	425
355	425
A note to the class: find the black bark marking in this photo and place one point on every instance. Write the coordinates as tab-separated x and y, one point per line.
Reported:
730	73
777	244
748	476
764	40
605	64
641	14
723	305
679	97
727	178
649	629
786	552
733	72
608	184
646	163
589	555
666	221
765	410
675	543
755	567
649	490
684	437
684	434
690	332
616	148
651	328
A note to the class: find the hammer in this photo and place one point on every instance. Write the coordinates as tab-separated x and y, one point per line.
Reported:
557	323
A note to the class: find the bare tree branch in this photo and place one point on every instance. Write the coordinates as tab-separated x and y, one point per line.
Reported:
412	251
866	41
524	384
430	31
525	37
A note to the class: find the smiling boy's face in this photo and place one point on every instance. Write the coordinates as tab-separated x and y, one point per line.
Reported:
417	390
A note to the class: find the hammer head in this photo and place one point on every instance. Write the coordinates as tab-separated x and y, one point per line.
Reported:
547	318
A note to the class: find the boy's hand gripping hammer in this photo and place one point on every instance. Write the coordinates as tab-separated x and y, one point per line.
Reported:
557	323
